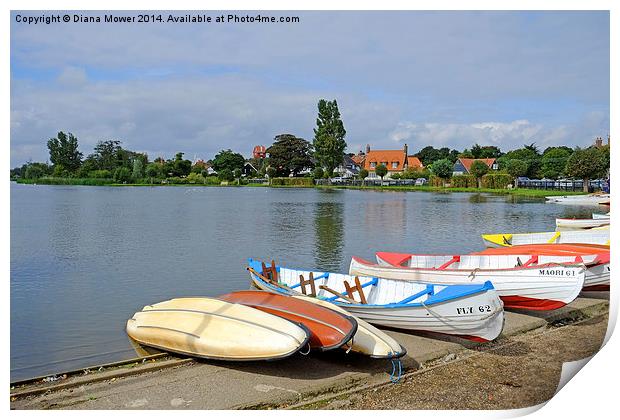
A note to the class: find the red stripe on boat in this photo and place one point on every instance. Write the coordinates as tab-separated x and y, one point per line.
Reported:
598	288
520	302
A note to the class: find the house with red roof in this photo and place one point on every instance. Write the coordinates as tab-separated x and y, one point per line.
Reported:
462	166
395	161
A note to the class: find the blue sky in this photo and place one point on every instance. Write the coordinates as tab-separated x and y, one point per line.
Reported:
441	78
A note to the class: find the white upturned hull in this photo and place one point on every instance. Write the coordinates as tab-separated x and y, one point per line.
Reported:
592	199
600	216
535	288
580	223
595	236
478	317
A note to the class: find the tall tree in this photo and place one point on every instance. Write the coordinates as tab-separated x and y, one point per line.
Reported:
289	154
479	169
329	143
554	161
442	168
227	159
181	167
516	168
587	164
64	151
107	154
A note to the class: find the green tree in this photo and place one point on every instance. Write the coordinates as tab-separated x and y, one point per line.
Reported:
64	151
225	175
381	170
138	169
227	159
289	154
479	169
35	171
466	154
529	154
587	164
107	154
329	143
485	152
181	167
122	175
363	174
554	161
152	170
442	168
516	168
318	173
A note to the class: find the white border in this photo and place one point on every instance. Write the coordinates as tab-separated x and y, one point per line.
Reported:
592	392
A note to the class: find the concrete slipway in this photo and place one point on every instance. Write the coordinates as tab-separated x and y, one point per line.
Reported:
173	383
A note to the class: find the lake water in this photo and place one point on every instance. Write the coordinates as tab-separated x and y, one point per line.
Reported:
84	259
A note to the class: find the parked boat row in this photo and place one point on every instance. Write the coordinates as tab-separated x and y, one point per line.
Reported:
465	295
596	199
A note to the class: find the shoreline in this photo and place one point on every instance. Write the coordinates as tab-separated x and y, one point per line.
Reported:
520	192
319	381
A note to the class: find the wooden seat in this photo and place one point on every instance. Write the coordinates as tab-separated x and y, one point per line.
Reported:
358	288
270	273
310	281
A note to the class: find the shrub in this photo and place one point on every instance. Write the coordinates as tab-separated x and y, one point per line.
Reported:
435	181
300	182
225	175
122	174
463	181
496	180
318	173
100	174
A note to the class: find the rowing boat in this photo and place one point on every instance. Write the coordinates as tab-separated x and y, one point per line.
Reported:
368	340
600	215
596	261
590	199
328	329
565	223
213	329
529	286
473	311
595	236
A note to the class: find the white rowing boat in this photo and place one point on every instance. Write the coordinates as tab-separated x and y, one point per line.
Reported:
565	223
594	236
589	199
214	329
601	215
597	270
530	286
472	311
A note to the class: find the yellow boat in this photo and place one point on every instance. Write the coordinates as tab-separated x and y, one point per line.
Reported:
597	236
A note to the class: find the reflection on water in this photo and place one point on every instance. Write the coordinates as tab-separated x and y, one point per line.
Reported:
329	234
84	259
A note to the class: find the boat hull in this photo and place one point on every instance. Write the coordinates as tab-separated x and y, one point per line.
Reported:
595	236
328	329
213	329
478	316
597	268
568	224
368	340
554	285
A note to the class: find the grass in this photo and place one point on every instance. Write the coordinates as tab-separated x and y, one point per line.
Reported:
523	192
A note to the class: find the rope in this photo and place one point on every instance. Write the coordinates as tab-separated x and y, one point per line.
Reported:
351	345
448	322
306	353
396	364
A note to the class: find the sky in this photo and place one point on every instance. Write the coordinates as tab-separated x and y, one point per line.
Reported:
447	79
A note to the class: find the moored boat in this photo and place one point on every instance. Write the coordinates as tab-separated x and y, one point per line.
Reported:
566	223
214	329
473	310
589	199
601	215
529	286
595	260
595	236
328	329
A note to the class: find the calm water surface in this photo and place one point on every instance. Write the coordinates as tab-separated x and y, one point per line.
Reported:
84	259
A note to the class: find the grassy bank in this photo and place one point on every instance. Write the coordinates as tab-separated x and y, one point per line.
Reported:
109	182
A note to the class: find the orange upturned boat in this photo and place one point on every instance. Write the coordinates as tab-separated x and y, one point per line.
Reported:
548	249
328	329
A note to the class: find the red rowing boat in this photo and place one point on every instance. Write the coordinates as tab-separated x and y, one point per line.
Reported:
328	329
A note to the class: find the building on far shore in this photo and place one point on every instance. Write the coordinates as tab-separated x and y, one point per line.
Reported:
396	161
259	152
462	166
